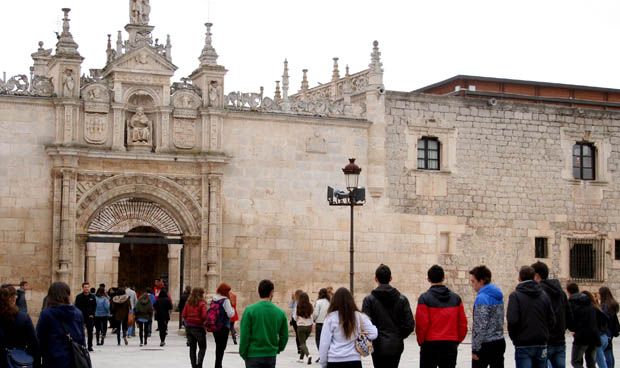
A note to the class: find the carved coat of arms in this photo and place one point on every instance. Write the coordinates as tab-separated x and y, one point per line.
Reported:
184	133
95	128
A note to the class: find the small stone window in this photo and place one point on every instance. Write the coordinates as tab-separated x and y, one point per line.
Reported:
584	156
617	250
540	248
428	153
587	259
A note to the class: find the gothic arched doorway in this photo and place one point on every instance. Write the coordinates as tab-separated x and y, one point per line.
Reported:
140	263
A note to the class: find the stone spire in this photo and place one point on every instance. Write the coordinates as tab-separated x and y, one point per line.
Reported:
110	53
208	55
119	43
335	72
304	80
285	81
66	46
168	48
347	71
375	58
277	95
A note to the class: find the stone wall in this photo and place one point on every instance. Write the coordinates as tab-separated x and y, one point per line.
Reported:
26	126
506	174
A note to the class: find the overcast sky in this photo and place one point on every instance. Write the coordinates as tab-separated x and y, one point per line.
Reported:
422	42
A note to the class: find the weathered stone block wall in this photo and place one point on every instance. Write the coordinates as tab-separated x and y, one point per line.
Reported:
25	193
506	174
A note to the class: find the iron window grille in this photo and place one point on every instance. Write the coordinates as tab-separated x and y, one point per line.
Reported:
584	156
587	259
617	249
428	153
541	250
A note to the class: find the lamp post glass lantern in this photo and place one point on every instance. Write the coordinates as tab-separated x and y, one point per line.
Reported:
352	174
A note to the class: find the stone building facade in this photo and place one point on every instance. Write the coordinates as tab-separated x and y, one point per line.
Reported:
125	175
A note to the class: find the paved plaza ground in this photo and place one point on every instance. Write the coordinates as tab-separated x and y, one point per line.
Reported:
175	354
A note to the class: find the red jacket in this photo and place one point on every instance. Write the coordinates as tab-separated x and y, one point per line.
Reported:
440	316
195	316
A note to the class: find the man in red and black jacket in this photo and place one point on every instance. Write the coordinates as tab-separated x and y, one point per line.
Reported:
441	323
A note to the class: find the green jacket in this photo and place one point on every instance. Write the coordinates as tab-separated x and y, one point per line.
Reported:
264	331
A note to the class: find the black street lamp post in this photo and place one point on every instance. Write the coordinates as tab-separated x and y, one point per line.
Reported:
356	196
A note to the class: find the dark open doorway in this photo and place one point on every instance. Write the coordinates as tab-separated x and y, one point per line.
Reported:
140	264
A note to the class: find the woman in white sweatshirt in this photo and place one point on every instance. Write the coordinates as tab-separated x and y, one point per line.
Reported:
342	325
320	312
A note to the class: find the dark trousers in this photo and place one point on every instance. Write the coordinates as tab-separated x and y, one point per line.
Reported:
162	326
385	361
491	354
221	338
556	356
121	327
317	334
440	354
577	354
352	364
294	324
196	336
531	356
101	326
266	362
143	327
89	323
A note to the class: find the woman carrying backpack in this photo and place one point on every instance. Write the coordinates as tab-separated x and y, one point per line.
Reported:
101	314
218	319
343	324
55	322
16	329
195	316
143	313
162	307
120	310
610	307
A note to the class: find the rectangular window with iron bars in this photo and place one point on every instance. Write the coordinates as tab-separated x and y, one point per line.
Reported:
587	259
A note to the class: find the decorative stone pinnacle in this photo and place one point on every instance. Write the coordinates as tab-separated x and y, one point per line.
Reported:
208	55
41	46
285	81
66	46
375	58
335	72
277	96
304	80
347	71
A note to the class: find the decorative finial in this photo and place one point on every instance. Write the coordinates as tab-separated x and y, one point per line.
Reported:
119	43
109	42
41	46
277	96
66	46
375	58
347	71
335	72
285	80
208	55
168	48
304	80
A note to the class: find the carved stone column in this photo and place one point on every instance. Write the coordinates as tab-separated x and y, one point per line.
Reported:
67	224
192	257
165	130
216	123
214	230
116	255
91	263
118	128
174	271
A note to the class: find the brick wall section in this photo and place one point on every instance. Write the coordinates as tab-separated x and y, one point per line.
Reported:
507	180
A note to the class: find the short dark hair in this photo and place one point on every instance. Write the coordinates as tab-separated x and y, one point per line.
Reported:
435	274
265	287
526	273
541	269
383	274
572	288
481	273
24	282
85	283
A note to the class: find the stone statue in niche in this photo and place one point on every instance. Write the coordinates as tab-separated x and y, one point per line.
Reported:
140	128
68	83
215	91
140	10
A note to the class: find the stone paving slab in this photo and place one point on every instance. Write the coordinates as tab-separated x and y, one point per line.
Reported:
176	354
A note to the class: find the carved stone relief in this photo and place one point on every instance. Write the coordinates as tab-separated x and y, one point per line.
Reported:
184	133
185	104
95	128
316	144
139	130
96	98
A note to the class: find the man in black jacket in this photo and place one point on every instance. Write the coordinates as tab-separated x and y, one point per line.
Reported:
87	304
530	317
391	313
583	325
556	347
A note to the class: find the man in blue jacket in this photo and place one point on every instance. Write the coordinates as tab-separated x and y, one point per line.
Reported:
487	344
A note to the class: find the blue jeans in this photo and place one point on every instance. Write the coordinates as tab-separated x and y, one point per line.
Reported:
556	356
531	356
609	354
600	352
